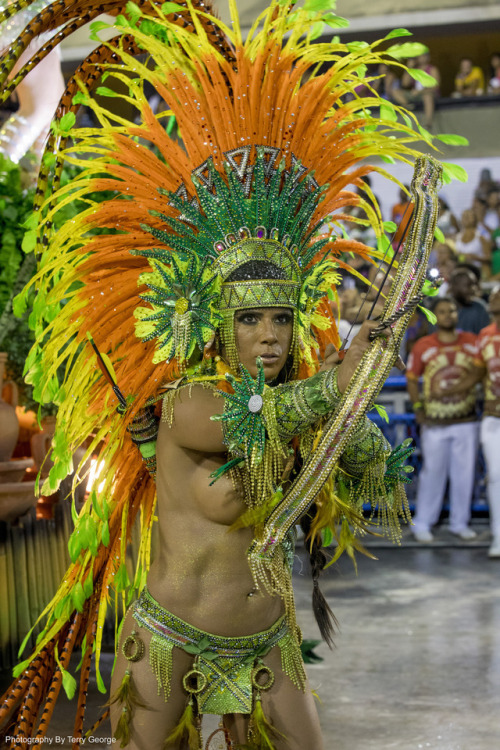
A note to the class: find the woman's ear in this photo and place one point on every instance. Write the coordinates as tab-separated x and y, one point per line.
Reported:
211	348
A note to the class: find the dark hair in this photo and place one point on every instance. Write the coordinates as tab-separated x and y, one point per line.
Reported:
253	270
439	300
327	622
462	268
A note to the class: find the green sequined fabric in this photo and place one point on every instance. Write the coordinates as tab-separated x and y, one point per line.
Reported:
298	405
256	413
367	446
226	662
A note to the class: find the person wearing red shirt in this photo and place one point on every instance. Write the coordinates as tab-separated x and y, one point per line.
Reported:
448	422
489	352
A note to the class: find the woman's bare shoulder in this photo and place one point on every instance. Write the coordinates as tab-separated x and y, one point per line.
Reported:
186	417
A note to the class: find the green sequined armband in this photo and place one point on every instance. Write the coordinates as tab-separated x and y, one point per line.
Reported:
256	412
299	404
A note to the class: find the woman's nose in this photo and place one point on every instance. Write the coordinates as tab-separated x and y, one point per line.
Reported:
268	331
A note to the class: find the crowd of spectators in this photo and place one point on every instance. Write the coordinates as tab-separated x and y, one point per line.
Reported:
470	241
452	356
470	80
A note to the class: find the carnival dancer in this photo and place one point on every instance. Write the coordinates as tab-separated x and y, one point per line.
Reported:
488	372
489	350
192	310
448	420
200	584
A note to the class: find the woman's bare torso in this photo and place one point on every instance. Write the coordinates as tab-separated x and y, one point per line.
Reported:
201	572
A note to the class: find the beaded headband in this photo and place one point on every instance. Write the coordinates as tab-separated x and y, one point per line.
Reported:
237	295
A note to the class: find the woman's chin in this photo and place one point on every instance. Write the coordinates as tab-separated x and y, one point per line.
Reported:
271	371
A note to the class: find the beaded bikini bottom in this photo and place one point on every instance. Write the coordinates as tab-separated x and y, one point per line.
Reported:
226	669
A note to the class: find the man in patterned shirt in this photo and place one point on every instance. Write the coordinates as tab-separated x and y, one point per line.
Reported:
448	419
489	352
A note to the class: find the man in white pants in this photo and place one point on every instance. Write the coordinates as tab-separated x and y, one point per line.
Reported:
448	419
489	351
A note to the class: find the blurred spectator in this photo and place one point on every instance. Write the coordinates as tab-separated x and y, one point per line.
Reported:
411	92
472	311
447	221
479	207
418	327
449	428
357	305
471	244
380	281
491	218
366	189
365	86
406	82
351	314
489	350
380	79
494	81
442	263
398	210
469	80
386	82
486	184
495	255
363	267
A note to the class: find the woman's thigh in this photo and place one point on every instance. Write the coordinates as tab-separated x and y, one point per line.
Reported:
151	723
290	710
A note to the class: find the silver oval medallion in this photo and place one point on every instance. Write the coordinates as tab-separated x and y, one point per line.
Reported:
255	403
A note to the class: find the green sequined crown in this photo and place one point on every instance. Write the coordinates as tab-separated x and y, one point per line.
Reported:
261	211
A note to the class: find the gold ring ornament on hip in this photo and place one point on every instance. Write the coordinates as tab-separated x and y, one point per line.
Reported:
133	647
262	670
194	682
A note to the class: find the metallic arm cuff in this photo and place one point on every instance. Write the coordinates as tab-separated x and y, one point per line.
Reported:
144	431
295	406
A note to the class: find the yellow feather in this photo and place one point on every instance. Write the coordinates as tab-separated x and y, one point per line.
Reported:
262	730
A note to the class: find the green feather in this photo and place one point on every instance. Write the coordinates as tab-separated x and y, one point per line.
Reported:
215	475
185	729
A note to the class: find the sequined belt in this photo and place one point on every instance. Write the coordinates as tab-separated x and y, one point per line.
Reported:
226	668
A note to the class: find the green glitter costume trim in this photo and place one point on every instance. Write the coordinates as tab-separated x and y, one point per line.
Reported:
255	412
226	662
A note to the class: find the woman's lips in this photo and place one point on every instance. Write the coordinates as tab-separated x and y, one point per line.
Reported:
269	358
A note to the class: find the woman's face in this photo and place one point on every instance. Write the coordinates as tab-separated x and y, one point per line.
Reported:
264	332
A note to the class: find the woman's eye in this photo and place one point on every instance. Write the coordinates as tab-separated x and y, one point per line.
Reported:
247	319
284	319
